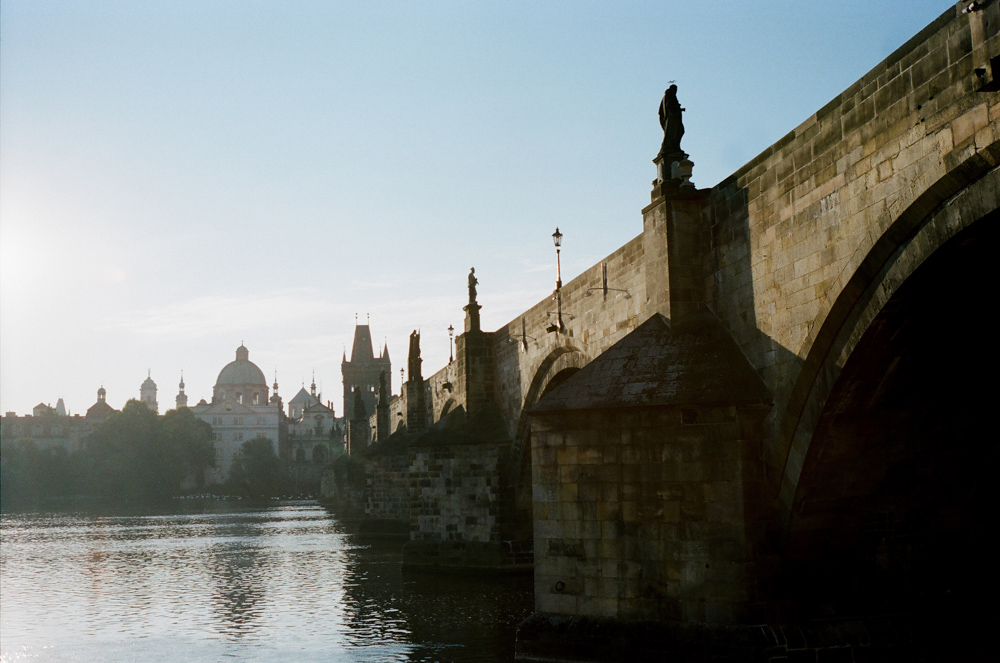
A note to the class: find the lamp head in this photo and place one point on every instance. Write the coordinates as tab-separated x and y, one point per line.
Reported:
557	238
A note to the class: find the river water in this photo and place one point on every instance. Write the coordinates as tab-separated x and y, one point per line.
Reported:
217	581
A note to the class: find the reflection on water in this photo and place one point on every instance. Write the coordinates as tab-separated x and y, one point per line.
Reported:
226	581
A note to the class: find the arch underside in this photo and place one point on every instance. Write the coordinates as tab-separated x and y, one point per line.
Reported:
557	367
893	506
905	246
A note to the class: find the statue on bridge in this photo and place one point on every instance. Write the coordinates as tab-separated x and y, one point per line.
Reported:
383	392
473	282
414	357
671	122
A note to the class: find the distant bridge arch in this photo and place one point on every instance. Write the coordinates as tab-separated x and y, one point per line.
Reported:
556	367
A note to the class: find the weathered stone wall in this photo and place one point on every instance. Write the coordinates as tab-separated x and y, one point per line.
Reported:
594	322
639	514
457	513
442	386
468	477
796	224
387	494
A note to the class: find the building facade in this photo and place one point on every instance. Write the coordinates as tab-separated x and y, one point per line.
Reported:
239	412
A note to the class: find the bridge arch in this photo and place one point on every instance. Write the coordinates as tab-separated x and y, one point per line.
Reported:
887	433
969	193
555	368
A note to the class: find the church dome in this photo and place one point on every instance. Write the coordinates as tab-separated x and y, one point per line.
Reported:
241	372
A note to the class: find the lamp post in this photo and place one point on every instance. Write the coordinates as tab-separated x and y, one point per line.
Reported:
451	336
557	240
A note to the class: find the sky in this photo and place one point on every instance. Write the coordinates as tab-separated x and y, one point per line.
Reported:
177	178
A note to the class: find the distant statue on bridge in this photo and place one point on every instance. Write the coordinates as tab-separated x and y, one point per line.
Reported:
383	392
670	120
414	357
473	282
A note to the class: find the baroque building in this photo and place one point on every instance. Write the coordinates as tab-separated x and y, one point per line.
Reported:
147	393
314	437
240	411
49	427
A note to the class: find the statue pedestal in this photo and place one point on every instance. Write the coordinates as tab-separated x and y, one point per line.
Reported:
471	316
675	167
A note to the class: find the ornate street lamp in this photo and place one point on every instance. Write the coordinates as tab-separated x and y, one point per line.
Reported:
557	240
451	336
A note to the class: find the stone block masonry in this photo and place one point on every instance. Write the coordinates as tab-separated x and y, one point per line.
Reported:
456	513
640	514
790	228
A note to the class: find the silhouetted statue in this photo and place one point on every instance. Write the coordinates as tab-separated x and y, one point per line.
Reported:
473	282
414	358
383	395
670	120
360	414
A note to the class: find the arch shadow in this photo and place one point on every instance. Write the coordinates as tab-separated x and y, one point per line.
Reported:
966	195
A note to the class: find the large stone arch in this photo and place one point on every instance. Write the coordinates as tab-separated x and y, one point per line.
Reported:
561	362
894	509
967	194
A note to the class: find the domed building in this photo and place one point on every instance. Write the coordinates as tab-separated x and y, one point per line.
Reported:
241	381
239	412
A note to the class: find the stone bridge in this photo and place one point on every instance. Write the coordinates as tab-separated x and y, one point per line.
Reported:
773	405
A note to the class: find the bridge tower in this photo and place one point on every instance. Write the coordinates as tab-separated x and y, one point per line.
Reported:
361	373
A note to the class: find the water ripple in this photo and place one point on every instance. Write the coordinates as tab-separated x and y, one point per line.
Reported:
229	581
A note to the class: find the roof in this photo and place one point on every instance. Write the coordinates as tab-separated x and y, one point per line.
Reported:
362	349
303	397
695	362
100	410
317	407
241	372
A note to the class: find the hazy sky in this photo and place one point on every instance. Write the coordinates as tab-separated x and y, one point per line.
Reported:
178	177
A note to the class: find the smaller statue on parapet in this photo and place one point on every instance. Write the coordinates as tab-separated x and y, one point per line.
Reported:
383	393
671	122
473	282
414	358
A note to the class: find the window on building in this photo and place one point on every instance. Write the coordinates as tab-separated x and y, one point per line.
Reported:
239	397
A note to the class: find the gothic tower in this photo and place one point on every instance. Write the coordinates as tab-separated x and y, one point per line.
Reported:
361	373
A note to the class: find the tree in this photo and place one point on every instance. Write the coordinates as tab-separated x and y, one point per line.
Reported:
135	454
191	438
30	475
256	471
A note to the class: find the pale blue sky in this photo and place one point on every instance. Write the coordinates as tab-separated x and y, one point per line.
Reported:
178	177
